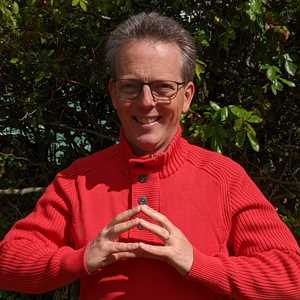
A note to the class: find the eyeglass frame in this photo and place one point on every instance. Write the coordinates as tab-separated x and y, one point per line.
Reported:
179	85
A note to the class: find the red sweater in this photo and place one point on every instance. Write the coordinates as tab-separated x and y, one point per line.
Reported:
242	250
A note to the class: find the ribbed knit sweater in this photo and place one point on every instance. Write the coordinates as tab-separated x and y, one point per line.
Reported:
242	250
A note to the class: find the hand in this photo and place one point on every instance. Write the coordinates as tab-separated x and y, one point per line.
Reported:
106	248
177	251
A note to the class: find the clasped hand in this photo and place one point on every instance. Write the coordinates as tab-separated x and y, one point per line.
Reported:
106	248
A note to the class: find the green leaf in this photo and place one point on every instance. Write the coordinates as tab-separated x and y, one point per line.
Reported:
51	52
250	129
224	113
14	60
254	119
75	2
43	40
240	138
265	67
273	89
239	112
215	145
15	8
287	57
216	116
255	9
253	141
272	73
214	105
278	85
290	67
83	5
287	82
201	37
199	68
198	71
238	124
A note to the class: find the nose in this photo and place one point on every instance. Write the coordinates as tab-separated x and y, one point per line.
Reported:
146	99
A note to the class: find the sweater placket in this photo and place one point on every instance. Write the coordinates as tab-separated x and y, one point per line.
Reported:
145	175
145	190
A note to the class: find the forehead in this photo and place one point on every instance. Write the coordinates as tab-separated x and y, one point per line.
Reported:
149	60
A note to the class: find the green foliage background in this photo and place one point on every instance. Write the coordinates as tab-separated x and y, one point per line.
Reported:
54	107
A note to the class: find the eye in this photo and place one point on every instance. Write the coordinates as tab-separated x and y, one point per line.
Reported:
164	87
128	86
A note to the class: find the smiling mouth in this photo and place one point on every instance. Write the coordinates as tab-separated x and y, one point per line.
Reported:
146	120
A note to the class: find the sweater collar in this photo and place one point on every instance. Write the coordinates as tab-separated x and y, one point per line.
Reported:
165	163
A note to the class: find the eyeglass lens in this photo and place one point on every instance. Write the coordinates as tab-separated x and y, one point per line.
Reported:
162	90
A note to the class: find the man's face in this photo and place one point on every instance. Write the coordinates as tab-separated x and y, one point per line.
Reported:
150	126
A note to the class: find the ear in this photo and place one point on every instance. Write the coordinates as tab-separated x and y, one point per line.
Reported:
112	93
189	91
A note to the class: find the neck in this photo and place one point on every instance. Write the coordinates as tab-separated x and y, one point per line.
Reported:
150	149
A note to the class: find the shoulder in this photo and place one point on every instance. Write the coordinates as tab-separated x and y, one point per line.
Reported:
92	163
216	164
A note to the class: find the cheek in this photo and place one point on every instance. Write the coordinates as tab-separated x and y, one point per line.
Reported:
174	112
170	117
123	109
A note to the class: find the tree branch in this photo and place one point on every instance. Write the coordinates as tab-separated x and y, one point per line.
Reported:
93	132
23	191
13	156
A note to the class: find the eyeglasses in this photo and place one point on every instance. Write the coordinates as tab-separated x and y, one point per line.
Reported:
162	91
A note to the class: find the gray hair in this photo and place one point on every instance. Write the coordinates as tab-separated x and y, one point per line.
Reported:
153	27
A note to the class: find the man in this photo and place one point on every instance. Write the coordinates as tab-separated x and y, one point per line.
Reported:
153	217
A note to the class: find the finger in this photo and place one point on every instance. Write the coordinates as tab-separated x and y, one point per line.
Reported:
124	255
160	218
161	232
125	215
115	230
115	247
153	250
117	256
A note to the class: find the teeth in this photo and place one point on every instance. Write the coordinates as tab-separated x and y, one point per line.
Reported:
147	120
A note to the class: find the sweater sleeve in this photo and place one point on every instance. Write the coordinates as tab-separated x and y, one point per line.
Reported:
264	260
36	254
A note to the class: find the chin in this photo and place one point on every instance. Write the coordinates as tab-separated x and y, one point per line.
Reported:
144	146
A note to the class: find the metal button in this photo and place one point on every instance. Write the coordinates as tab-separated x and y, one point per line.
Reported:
142	178
143	200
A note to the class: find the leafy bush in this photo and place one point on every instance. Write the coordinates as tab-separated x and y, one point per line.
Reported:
54	106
